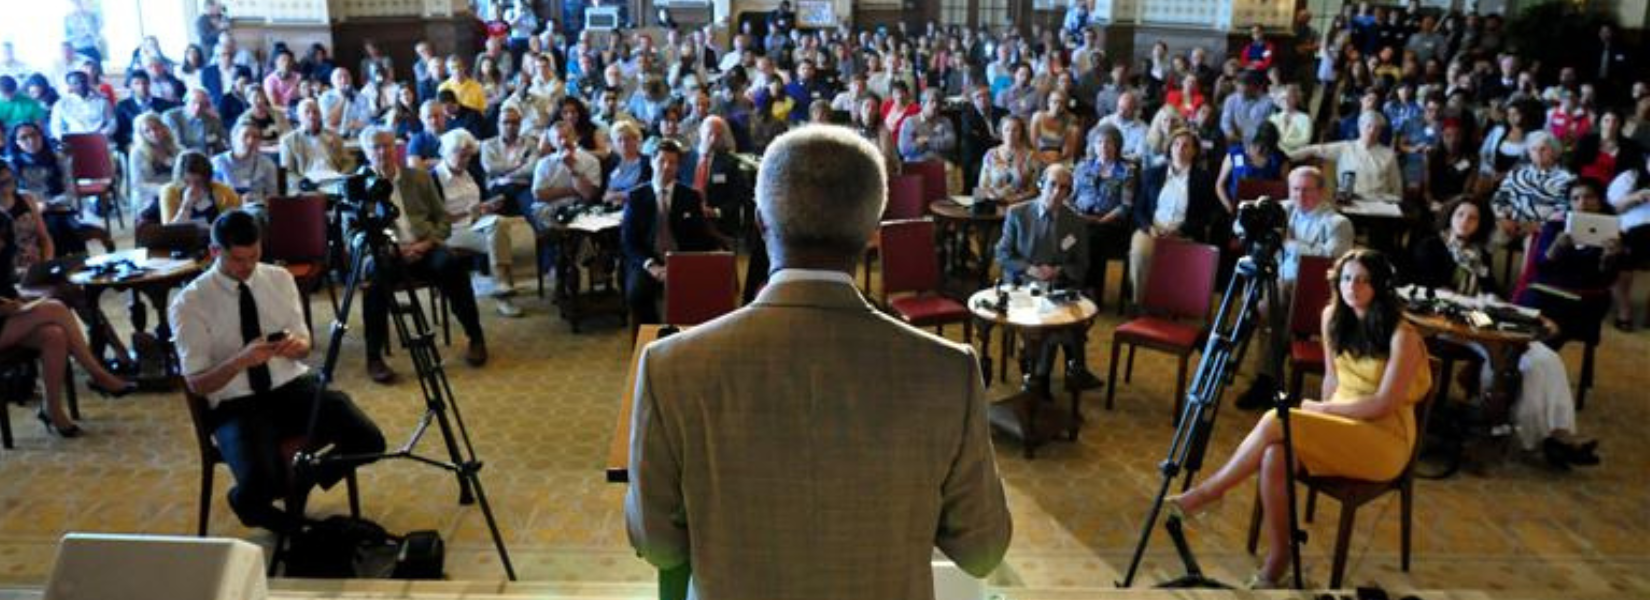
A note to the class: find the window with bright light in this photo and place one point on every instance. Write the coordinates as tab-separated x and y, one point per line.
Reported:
35	29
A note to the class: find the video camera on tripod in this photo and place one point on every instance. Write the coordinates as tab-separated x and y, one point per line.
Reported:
1260	224
366	200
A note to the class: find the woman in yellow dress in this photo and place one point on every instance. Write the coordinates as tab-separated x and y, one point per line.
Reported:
1364	431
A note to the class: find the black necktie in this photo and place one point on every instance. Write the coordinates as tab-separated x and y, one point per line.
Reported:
250	331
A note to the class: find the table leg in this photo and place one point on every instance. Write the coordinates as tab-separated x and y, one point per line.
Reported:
98	337
983	331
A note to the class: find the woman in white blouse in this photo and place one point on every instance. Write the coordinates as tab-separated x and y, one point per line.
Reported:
478	225
1373	165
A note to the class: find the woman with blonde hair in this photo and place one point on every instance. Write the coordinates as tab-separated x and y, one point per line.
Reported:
149	162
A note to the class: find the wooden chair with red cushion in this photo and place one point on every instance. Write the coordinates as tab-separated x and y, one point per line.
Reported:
905	202
911	268
932	173
299	243
1306	321
699	286
92	173
1175	304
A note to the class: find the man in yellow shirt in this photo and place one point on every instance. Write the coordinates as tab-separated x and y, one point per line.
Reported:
464	86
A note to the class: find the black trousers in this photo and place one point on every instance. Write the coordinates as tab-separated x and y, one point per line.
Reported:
249	431
1071	342
448	274
641	295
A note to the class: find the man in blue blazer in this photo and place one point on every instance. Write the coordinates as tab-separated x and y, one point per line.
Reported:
646	238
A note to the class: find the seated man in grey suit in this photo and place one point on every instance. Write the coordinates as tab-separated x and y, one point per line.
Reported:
1045	242
760	448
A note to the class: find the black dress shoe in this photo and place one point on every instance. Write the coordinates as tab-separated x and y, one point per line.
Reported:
1036	386
1557	454
380	372
1080	379
1584	455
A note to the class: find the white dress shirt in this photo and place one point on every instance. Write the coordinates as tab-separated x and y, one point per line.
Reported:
550	172
207	318
76	114
1172	201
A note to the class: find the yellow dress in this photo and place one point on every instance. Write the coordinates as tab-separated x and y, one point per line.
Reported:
1373	450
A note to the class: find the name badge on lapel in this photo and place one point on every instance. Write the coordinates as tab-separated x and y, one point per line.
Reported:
719	178
1067	242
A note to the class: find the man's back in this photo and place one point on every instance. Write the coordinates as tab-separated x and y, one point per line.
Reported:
810	447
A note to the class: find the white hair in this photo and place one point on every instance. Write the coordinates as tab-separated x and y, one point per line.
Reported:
456	140
1369	116
1540	137
821	188
370	134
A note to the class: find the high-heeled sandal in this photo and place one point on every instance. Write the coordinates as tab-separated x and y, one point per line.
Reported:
1177	509
1259	581
131	386
72	431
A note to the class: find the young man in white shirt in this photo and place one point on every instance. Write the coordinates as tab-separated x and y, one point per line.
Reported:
242	340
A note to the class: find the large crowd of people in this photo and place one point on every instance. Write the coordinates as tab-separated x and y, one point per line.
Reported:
1484	150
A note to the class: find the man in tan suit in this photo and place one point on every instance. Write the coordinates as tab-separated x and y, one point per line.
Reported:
807	446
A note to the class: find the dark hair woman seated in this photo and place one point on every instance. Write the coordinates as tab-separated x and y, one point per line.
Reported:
1364	430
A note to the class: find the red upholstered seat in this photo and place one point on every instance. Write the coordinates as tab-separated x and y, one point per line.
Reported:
1312	293
911	268
927	310
1174	306
301	271
1306	353
1153	330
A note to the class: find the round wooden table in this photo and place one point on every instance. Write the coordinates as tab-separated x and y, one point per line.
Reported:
1502	348
964	227
154	278
1023	311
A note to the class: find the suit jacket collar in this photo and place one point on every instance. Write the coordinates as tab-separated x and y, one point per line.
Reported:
813	294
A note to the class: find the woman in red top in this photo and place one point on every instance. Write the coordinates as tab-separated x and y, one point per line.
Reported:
1604	153
1569	122
898	107
1187	97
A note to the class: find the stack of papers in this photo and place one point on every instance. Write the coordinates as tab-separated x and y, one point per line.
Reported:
594	222
1373	208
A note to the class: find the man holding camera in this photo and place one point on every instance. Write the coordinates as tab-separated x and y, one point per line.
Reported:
1045	243
241	340
419	231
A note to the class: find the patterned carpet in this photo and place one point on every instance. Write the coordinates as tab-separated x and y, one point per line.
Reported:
541	415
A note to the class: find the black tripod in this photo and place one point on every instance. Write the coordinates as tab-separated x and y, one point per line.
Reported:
373	243
1255	278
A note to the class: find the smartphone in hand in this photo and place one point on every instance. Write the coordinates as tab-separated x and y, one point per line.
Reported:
278	336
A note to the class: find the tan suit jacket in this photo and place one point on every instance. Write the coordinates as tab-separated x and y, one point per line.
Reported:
807	446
